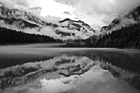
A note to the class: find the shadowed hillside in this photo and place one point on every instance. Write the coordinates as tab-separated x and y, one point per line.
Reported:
127	37
13	37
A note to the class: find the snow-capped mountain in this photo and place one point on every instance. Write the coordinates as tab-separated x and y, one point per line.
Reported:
75	29
27	21
125	20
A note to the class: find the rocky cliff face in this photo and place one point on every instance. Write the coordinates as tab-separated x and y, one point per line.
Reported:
20	18
76	28
78	25
26	21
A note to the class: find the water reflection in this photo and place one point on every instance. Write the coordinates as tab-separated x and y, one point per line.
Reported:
79	72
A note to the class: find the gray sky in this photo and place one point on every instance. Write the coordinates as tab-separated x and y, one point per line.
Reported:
100	12
96	13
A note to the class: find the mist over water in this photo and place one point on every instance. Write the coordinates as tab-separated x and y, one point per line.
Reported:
69	46
83	71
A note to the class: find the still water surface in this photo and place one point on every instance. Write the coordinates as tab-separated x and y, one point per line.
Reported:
84	71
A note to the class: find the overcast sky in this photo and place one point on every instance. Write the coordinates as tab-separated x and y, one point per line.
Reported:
96	13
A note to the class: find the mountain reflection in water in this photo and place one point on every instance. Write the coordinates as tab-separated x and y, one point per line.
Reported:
75	72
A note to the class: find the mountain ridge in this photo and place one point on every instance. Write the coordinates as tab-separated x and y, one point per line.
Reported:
20	20
125	20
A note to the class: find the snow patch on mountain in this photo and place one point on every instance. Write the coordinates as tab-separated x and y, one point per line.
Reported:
27	21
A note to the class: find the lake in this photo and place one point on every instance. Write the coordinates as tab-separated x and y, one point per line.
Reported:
41	69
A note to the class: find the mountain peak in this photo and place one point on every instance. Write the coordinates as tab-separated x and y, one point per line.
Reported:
25	21
125	20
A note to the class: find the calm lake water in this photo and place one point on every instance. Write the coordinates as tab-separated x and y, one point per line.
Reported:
58	70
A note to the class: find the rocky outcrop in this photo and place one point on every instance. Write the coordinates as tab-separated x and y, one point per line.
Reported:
26	21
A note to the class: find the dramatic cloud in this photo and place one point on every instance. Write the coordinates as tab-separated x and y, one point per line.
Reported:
15	3
21	2
100	12
53	8
96	13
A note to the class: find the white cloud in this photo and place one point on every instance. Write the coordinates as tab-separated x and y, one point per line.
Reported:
21	2
15	3
53	8
94	12
100	12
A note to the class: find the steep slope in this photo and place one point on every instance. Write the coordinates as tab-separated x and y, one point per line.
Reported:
8	36
79	26
126	37
26	21
123	32
125	20
16	16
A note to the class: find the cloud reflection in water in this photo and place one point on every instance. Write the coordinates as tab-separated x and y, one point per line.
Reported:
69	73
